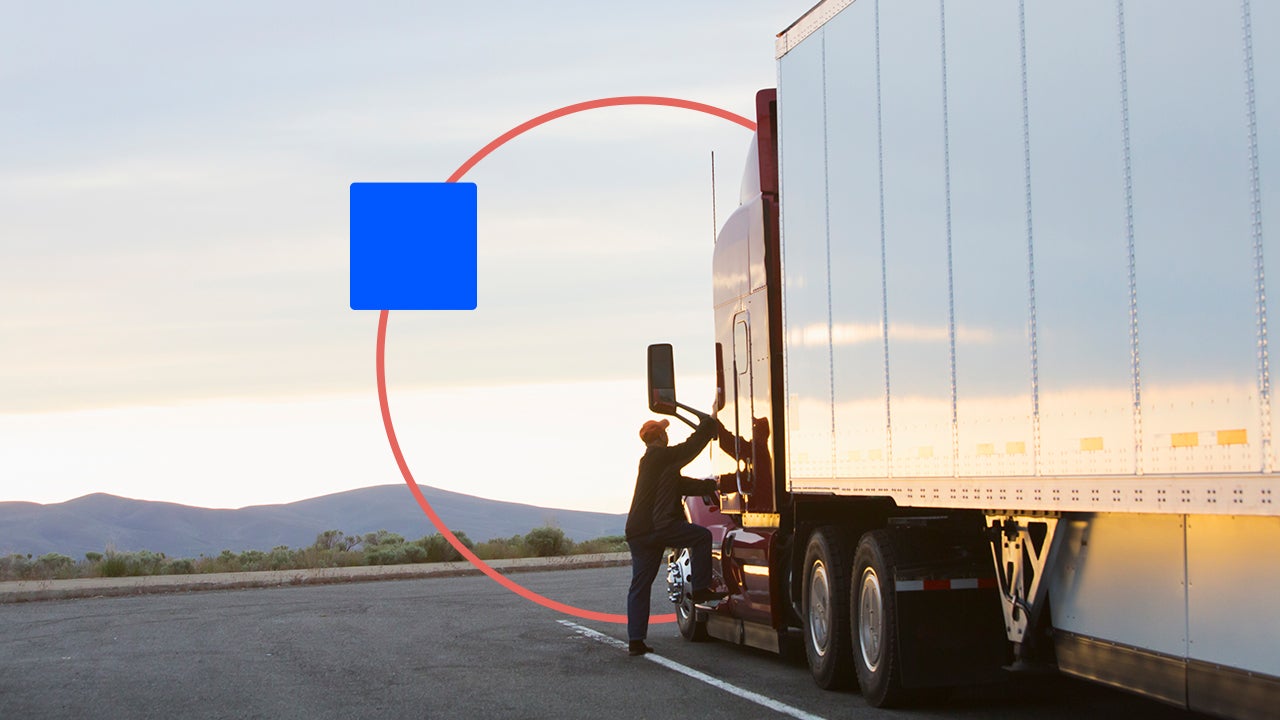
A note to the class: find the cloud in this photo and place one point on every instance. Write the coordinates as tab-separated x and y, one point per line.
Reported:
816	334
173	223
243	451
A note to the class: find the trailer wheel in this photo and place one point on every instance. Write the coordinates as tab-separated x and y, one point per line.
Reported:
874	617
827	640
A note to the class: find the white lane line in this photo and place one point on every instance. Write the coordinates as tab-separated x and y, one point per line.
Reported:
754	697
598	636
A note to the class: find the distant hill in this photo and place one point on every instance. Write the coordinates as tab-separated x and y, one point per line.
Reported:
94	522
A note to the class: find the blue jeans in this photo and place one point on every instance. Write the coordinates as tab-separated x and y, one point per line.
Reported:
646	558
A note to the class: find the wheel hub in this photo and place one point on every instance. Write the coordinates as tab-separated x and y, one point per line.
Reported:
820	609
870	619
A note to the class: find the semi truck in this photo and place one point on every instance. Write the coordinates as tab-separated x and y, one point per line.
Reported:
991	352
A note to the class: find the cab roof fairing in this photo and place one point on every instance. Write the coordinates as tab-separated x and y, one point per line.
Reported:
808	24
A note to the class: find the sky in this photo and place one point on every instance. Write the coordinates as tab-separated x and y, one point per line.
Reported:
174	234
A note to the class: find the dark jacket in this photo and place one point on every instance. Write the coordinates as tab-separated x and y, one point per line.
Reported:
659	484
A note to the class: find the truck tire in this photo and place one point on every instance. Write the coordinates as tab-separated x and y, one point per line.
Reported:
874	618
827	639
691	628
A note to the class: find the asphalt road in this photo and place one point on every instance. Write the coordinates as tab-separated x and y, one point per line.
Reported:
431	648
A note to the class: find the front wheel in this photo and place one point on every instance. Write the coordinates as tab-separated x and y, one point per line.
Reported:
826	613
874	616
679	592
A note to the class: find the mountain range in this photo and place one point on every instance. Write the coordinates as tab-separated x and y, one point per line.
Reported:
97	522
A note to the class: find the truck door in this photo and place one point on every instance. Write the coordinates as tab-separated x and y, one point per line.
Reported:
748	548
742	401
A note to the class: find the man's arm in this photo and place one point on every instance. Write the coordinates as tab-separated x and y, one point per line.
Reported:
685	452
692	486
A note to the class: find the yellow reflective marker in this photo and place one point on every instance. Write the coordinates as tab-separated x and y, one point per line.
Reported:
926	452
1090	444
986	449
1233	437
1185	439
1015	448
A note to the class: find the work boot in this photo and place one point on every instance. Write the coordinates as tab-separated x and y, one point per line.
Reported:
707	595
637	647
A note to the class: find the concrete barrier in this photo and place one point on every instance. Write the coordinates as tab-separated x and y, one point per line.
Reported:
32	590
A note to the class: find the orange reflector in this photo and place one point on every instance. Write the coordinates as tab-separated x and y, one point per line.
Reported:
1090	444
1191	439
1233	437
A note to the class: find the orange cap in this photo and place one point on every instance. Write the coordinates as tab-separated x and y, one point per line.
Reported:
652	428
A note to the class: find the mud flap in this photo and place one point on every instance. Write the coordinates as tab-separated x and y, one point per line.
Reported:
950	637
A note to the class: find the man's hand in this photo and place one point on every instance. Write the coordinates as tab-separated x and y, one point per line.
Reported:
704	418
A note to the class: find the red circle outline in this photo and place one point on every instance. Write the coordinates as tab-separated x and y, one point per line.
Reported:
382	341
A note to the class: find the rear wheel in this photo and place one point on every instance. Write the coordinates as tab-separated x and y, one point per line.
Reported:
827	641
874	616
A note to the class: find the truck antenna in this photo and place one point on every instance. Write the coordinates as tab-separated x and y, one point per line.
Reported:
714	224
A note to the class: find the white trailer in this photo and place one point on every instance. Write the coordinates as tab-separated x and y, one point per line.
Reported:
1003	291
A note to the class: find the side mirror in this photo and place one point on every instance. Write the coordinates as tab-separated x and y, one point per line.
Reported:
662	380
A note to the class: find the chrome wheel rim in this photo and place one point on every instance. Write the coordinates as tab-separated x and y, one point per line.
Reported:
870	619
819	609
685	608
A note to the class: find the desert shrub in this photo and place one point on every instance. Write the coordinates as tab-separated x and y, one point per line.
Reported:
56	565
225	561
382	537
336	541
332	548
329	540
281	558
384	555
251	560
439	550
314	557
547	542
115	565
502	548
347	558
15	566
606	544
145	562
412	553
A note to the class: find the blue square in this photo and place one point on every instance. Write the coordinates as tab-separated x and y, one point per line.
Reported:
413	246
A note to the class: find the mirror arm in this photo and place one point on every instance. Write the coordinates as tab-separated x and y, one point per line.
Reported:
684	419
697	413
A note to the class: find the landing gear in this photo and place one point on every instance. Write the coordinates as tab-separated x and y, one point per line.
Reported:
1022	547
